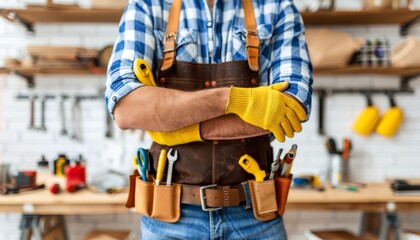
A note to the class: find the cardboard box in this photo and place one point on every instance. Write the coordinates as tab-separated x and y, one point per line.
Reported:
108	235
109	4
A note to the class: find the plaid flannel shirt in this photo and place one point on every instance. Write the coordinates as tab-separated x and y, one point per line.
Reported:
208	37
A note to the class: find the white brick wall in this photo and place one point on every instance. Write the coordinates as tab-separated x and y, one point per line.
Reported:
373	158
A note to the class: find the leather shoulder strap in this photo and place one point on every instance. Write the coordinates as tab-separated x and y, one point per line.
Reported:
169	52
252	40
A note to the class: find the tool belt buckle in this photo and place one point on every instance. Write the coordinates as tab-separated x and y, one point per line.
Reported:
203	198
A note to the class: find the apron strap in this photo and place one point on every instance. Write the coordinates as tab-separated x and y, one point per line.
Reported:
252	41
169	52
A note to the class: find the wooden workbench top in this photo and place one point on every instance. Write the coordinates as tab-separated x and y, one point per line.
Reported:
379	192
372	197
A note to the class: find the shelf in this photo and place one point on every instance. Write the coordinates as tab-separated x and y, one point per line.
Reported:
400	17
33	15
403	72
4	71
31	72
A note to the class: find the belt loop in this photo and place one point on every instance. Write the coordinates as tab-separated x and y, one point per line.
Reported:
248	204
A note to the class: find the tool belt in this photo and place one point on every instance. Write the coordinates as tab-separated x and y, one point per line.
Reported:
161	202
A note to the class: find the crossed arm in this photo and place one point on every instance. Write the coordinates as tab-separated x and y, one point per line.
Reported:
177	109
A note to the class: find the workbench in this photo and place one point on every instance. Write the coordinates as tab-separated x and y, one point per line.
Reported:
371	198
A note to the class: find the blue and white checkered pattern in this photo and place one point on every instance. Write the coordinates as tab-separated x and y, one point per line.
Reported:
212	37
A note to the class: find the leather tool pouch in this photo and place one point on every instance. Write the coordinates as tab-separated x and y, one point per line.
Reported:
263	197
159	202
282	190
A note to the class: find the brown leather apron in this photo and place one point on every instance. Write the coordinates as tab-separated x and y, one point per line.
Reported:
212	162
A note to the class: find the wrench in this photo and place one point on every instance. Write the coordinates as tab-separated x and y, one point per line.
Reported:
43	101
171	160
63	116
276	164
32	112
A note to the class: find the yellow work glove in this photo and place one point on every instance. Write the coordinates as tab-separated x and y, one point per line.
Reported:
181	136
268	108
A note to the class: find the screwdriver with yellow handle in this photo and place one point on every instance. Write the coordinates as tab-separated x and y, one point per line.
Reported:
250	165
161	166
143	72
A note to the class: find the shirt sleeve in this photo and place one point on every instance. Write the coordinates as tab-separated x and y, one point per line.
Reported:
290	56
135	40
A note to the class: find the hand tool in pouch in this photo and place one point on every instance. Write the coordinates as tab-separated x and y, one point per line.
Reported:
391	121
288	162
143	72
368	119
161	166
172	157
141	162
275	164
250	165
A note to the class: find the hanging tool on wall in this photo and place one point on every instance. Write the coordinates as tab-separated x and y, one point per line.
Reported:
76	120
392	119
43	127
31	111
62	114
321	112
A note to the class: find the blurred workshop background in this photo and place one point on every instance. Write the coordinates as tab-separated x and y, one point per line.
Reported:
364	130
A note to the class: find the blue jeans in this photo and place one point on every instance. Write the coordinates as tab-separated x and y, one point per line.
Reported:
227	223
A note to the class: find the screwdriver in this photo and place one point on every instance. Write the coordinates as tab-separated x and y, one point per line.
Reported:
161	166
250	165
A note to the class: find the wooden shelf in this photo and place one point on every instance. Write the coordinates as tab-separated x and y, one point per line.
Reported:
403	72
33	15
78	15
31	72
4	71
400	17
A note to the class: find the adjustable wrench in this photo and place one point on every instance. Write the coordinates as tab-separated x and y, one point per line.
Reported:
171	160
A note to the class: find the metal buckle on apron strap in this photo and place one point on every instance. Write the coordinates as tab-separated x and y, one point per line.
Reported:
170	37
